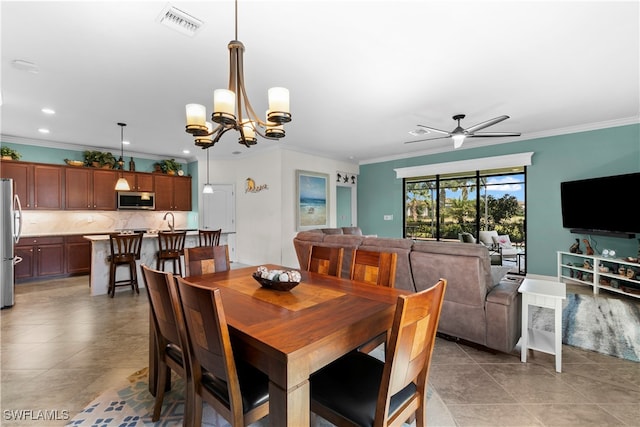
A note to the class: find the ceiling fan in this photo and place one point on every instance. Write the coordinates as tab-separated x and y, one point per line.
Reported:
459	134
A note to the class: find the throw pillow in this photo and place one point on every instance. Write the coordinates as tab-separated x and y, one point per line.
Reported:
502	241
468	238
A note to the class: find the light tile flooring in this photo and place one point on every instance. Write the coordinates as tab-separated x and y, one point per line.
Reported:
62	347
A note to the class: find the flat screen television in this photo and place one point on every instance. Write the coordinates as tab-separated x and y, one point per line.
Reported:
603	205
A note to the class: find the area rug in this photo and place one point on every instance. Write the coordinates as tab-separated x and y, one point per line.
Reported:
131	406
604	325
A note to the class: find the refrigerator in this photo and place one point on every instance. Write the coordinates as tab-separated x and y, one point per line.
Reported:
10	229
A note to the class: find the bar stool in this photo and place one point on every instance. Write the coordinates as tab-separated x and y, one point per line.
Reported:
171	248
209	237
125	250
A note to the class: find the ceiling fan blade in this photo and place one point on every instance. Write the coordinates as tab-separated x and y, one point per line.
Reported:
435	130
428	139
493	134
486	124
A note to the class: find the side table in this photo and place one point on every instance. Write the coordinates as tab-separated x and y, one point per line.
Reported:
547	294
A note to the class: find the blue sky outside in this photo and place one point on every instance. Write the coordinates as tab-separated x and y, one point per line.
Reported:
498	186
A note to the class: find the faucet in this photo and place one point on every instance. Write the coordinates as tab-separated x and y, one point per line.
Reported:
172	224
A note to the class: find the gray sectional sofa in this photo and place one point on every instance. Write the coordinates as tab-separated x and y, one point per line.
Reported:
478	306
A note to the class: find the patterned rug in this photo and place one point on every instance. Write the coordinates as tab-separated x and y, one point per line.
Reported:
605	325
132	405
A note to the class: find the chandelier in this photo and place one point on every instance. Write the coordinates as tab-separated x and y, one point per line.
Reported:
233	111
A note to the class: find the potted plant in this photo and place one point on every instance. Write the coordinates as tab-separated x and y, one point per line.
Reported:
169	166
9	154
99	159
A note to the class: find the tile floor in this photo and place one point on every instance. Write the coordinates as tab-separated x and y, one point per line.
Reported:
61	348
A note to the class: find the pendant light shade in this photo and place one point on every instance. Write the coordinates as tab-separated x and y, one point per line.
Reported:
122	184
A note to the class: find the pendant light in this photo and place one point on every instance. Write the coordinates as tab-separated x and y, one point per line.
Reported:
207	188
122	184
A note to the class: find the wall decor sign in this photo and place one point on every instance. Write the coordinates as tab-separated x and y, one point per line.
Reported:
312	200
251	187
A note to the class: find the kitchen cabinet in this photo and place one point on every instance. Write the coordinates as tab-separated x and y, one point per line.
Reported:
173	193
77	254
39	186
41	257
90	188
139	181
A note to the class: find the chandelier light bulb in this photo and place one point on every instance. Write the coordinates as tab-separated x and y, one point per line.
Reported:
224	106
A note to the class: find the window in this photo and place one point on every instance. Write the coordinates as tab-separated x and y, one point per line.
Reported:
441	207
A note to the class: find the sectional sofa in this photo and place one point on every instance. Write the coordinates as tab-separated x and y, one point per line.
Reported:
480	306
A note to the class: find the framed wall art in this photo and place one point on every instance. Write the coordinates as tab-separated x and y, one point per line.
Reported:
312	200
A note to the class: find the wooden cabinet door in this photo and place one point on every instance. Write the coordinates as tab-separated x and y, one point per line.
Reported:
21	174
50	259
144	182
25	268
78	186
104	193
77	254
182	193
47	187
164	192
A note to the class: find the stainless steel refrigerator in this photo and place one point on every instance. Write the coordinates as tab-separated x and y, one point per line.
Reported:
10	229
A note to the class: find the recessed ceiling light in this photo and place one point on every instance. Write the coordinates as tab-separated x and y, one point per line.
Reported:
48	111
237	152
125	143
43	130
186	151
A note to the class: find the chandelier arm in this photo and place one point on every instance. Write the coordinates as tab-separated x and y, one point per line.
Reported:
247	104
222	132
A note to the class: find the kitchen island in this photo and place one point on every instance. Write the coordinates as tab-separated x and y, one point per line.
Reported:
100	251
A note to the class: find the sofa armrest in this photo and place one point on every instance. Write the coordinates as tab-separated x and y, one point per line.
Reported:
503	308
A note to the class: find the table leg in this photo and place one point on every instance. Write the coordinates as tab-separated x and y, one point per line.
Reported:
289	408
558	334
524	340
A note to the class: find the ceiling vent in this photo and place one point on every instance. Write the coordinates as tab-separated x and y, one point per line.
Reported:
180	21
418	132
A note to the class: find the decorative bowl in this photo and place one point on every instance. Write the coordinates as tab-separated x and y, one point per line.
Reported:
74	162
275	284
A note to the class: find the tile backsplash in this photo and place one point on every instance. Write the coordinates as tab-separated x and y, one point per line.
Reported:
42	223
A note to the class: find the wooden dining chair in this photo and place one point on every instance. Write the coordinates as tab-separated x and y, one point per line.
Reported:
167	318
360	390
206	259
236	390
325	260
125	251
378	268
209	237
171	248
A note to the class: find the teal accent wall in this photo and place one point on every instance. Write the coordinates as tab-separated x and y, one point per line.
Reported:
56	156
569	157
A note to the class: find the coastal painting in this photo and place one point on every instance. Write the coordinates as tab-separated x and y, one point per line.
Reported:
312	200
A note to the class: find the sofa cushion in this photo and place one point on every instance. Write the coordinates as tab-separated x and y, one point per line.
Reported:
352	230
332	230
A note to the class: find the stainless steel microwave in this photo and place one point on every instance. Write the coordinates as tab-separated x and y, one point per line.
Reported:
136	200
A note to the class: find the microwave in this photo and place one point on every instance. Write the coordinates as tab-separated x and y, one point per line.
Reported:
136	200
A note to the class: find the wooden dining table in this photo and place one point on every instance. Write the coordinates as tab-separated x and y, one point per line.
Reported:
291	334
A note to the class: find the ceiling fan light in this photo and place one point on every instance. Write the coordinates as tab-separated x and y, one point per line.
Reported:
458	140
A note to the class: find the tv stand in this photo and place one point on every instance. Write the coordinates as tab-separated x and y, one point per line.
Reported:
600	273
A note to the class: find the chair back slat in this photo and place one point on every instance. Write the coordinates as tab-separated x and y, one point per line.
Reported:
410	347
171	241
162	310
206	259
325	260
378	268
209	237
125	245
208	334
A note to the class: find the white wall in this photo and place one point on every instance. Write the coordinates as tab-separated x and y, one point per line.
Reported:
265	220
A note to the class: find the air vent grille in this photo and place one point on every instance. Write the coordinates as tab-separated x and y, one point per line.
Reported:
418	132
179	20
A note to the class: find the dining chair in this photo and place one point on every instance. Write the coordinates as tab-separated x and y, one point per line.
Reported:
206	259
325	260
209	237
125	251
236	390
378	268
167	320
171	248
360	390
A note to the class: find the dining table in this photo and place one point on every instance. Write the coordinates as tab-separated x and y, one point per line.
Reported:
289	335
